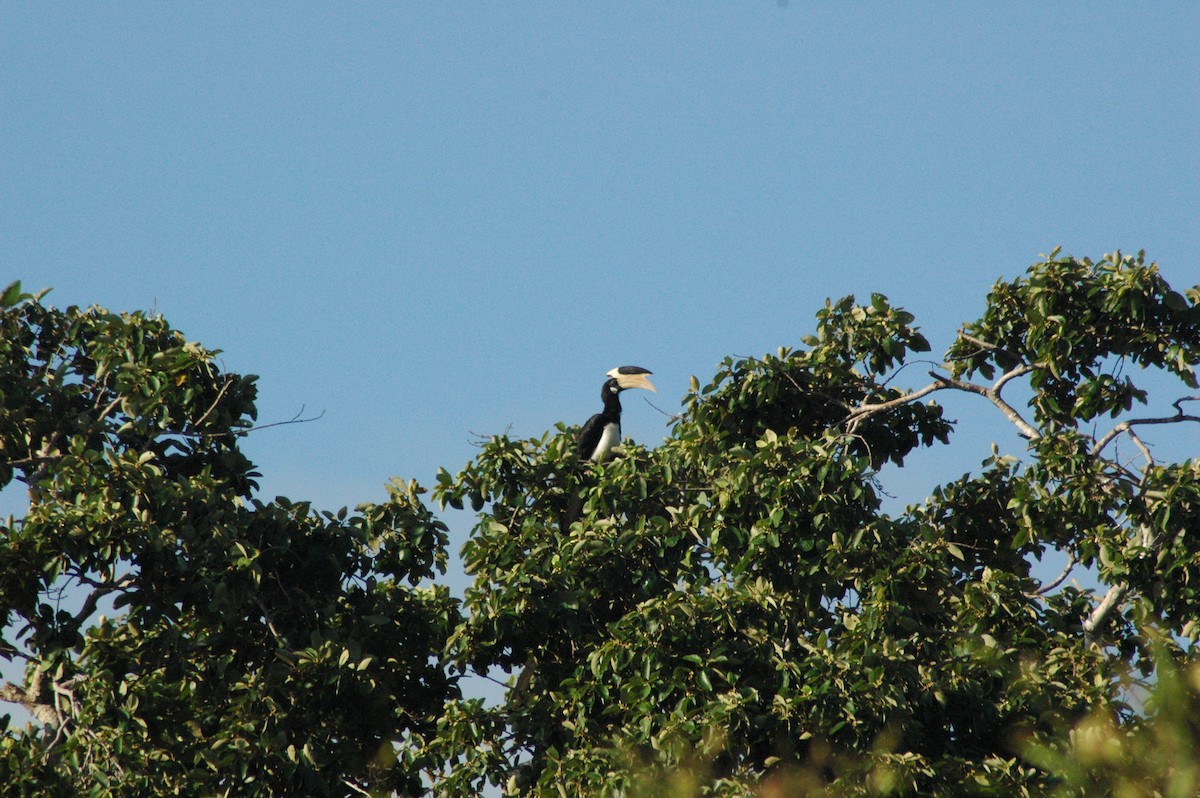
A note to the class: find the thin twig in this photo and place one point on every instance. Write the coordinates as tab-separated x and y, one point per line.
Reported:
1061	577
248	430
1176	404
200	421
267	617
294	420
1126	426
670	417
896	373
59	735
111	406
355	787
987	347
1138	442
850	433
493	680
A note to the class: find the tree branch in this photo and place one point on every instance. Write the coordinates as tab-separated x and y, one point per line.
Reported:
101	589
1003	379
1009	412
200	421
36	698
356	788
267	617
942	383
1127	427
670	417
1145	450
864	410
1044	589
1111	601
1178	403
1116	593
294	420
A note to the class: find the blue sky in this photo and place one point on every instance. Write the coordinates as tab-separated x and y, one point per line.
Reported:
431	221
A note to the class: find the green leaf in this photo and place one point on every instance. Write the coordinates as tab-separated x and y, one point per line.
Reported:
1175	301
12	294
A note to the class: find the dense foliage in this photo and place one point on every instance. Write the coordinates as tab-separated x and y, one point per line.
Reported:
247	648
730	612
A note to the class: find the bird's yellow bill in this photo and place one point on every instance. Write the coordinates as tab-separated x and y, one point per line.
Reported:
635	380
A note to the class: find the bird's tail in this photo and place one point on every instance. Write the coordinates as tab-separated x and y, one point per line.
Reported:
573	511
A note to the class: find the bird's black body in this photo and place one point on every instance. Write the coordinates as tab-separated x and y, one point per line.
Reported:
603	431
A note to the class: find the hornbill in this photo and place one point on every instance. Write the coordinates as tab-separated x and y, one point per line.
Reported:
603	431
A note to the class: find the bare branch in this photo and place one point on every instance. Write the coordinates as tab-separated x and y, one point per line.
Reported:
355	787
60	734
65	713
941	383
1003	379
21	462
1127	426
905	365
200	421
294	420
1010	412
89	605
1178	402
101	589
1046	588
864	410
267	617
1145	450
850	433
670	417
12	694
111	406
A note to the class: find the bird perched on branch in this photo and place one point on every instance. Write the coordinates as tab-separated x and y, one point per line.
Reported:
595	441
603	431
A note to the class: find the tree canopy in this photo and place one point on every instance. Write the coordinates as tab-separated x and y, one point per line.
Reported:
734	611
179	636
